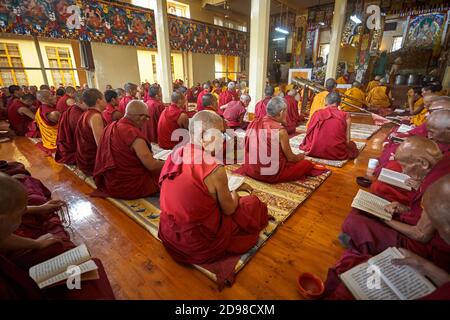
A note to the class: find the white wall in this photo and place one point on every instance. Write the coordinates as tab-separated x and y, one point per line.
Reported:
203	67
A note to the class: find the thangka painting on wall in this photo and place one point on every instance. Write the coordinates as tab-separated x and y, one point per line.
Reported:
425	31
114	23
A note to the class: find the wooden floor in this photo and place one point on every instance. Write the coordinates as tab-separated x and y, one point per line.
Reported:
139	267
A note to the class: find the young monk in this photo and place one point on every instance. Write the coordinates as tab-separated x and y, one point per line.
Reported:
111	112
319	99
379	97
209	102
293	117
66	100
89	130
15	283
261	106
235	111
20	114
172	118
328	133
356	93
66	145
207	222
131	91
206	90
431	260
155	109
47	118
267	137
125	167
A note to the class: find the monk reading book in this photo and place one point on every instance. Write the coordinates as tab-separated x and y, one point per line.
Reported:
207	222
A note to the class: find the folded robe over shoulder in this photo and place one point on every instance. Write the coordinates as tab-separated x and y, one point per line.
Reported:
261	108
150	129
66	145
292	115
49	130
167	124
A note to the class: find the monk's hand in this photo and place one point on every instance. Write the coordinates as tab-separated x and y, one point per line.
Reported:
245	187
46	241
396	207
51	206
413	260
415	184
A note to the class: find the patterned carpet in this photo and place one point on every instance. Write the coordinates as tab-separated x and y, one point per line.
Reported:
359	131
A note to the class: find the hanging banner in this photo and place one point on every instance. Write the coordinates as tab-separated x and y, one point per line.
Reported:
115	23
425	31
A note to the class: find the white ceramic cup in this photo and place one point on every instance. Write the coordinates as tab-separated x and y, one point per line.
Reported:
373	163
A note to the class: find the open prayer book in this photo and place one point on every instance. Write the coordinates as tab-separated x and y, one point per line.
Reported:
404	128
394	178
162	155
380	279
56	270
234	182
371	203
399	110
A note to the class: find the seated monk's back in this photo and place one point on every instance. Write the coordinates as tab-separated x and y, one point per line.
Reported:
317	104
118	170
378	96
66	146
233	113
192	227
18	122
167	124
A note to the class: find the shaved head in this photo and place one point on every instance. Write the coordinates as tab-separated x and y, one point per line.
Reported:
330	84
136	107
13	202
70	91
207	120
438	126
436	204
45	96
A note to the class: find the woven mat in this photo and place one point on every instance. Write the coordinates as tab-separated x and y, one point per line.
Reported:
282	200
359	131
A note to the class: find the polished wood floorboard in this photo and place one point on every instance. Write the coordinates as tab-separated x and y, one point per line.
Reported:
138	267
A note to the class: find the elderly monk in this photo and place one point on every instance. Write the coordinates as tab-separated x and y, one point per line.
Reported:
427	259
356	93
155	109
111	112
66	100
207	222
319	99
228	95
66	145
172	118
416	106
15	282
261	106
206	90
422	160
89	130
268	154
209	103
125	167
328	133
374	83
293	117
234	112
380	96
47	118
20	114
131	91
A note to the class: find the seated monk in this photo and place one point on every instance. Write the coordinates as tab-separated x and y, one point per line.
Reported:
206	90
20	114
15	282
293	117
125	167
66	100
155	109
47	118
319	99
356	93
344	79
207	222
15	93
428	259
380	96
111	112
235	111
209	103
416	106
374	83
66	145
420	159
131	91
272	161
328	133
89	130
261	106
228	95
172	118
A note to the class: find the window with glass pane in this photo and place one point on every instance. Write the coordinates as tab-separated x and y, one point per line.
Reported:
177	9
59	58
10	57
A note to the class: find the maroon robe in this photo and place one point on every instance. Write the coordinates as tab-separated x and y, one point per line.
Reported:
287	171
193	229
18	122
200	100
226	97
326	136
292	116
66	146
62	106
119	173
86	145
150	129
123	103
107	114
232	114
261	108
167	124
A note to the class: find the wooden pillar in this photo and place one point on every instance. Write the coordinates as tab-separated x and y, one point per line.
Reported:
337	27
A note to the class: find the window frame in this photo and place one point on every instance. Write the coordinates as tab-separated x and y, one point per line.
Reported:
9	57
60	68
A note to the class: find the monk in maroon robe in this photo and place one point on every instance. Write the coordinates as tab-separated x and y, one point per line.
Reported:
66	145
172	118
20	115
431	260
206	90
155	109
328	133
261	106
125	167
111	112
227	96
131	91
207	222
89	130
15	93
209	103
293	117
234	112
268	155
66	100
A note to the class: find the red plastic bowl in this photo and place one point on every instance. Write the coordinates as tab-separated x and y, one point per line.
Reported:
310	286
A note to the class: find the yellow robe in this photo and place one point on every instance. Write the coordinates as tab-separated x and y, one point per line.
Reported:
372	84
420	118
341	80
354	93
48	133
317	104
378	97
